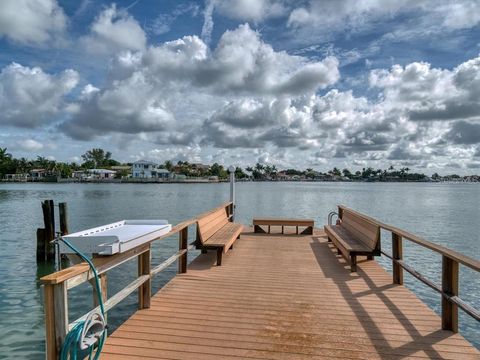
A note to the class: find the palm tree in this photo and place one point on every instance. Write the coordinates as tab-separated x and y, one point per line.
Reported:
168	165
4	155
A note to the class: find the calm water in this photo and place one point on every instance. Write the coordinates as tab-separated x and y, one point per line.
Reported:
447	214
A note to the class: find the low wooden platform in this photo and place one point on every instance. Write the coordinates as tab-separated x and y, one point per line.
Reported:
285	297
282	223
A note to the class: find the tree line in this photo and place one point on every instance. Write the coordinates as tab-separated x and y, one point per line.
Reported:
99	158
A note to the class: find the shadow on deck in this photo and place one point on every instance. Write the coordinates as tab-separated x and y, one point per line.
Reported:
284	297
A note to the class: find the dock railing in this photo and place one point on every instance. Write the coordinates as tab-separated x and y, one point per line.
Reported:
56	285
449	289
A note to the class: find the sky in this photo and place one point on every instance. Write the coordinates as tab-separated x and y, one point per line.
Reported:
302	84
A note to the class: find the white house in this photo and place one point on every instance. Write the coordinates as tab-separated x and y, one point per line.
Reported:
148	170
94	174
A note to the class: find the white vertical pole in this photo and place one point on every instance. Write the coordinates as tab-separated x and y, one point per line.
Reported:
231	169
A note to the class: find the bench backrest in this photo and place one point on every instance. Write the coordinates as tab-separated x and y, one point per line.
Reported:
210	223
365	230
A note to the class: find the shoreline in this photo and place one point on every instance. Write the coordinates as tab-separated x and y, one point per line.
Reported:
206	181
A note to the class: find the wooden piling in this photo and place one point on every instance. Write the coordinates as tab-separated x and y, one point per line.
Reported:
63	214
40	244
45	250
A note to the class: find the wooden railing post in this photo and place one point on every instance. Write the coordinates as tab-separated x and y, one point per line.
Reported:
182	245
56	318
103	289
145	290
449	287
397	254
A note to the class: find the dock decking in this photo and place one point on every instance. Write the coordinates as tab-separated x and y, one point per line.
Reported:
280	296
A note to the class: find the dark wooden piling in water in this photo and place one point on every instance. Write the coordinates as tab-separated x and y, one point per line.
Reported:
63	214
46	250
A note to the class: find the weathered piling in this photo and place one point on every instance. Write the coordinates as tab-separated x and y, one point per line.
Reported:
63	213
46	250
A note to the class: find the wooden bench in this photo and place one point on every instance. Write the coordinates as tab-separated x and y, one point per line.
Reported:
258	222
214	231
354	235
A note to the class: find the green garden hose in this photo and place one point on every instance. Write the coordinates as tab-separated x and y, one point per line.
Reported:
74	341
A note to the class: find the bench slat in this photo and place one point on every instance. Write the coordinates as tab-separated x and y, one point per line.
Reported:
207	230
354	236
348	240
368	239
225	237
216	232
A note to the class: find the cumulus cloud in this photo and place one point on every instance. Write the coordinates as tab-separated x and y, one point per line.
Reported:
127	106
29	145
241	62
242	10
429	93
251	10
463	132
358	14
145	89
32	22
114	30
29	97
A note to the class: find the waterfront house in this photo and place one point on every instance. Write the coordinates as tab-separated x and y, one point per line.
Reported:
149	170
37	174
101	174
143	169
94	174
16	177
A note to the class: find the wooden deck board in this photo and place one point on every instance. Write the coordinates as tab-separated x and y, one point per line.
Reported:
285	297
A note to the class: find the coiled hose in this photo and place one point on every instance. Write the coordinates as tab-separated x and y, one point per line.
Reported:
71	347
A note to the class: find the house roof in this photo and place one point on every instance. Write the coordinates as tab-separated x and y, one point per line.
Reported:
145	162
101	171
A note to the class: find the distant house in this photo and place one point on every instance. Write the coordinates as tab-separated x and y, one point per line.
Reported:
143	169
94	174
149	170
101	173
16	177
161	174
201	167
282	176
37	174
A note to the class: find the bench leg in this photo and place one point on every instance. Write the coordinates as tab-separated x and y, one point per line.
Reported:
258	229
219	256
353	263
308	231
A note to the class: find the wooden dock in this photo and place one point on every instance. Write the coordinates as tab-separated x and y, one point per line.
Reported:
285	296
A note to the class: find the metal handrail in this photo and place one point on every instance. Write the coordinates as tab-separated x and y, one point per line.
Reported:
330	217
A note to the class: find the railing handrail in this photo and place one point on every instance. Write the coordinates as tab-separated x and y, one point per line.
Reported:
449	289
107	263
57	284
442	250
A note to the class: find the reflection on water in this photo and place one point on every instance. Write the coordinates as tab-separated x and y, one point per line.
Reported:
444	213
